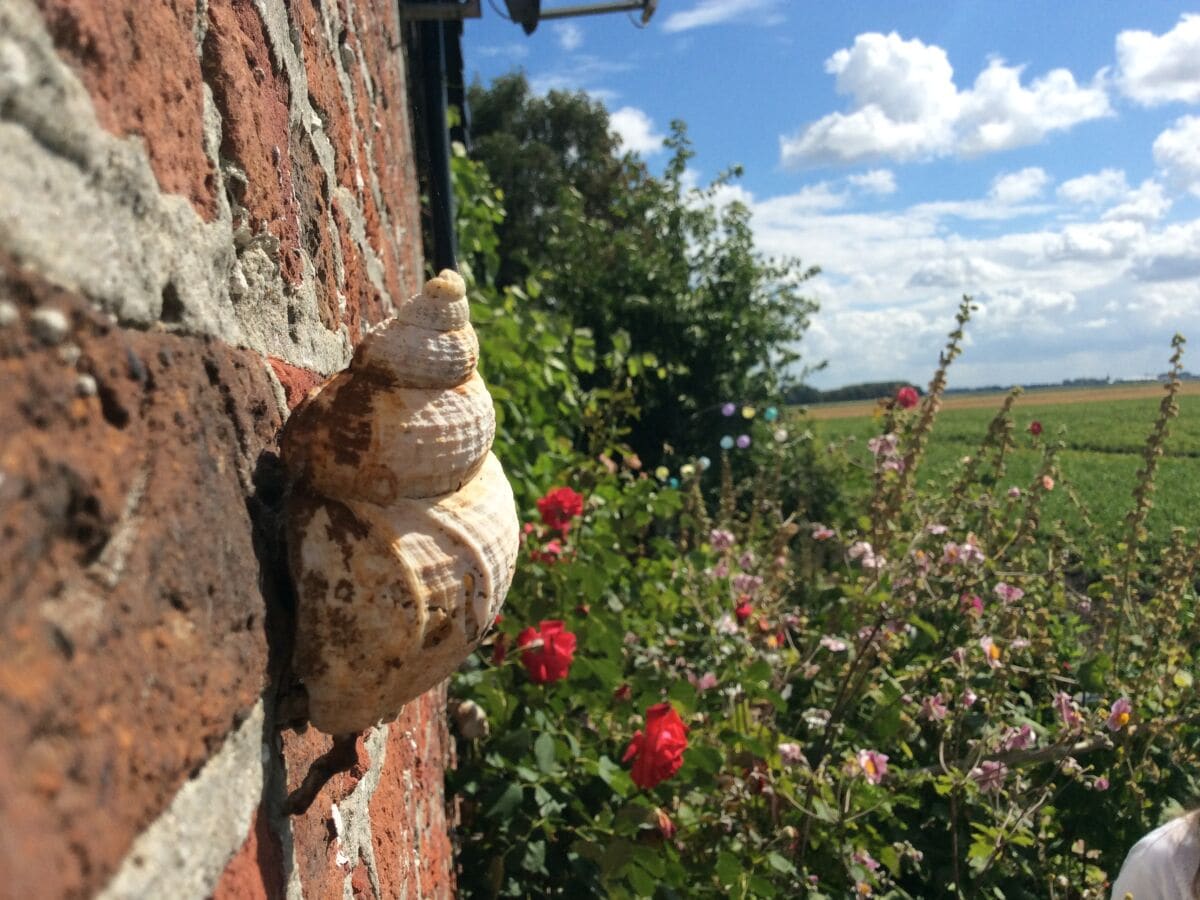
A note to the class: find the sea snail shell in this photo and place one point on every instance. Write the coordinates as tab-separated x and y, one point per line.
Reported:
402	530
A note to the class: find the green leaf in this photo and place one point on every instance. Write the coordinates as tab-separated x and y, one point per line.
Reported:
509	800
543	751
729	870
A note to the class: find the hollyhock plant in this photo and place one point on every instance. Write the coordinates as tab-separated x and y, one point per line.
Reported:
559	507
1119	715
907	397
552	660
873	765
720	539
657	751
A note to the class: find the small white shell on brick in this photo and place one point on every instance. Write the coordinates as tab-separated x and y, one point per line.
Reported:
402	531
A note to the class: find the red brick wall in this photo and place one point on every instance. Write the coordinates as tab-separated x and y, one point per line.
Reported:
202	206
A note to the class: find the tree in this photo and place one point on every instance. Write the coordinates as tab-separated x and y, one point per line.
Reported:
663	274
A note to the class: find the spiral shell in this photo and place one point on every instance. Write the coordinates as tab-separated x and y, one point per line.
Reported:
402	531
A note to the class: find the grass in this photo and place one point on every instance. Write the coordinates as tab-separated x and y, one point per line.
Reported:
1102	430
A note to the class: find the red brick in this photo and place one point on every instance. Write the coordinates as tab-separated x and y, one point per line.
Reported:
296	382
252	95
411	814
256	872
133	636
138	61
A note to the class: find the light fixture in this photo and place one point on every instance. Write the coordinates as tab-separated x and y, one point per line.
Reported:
527	13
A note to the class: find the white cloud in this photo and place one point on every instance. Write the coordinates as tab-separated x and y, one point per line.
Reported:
1095	241
877	181
1154	69
1177	152
512	51
585	72
1171	255
570	36
1017	187
714	12
1094	189
905	106
636	131
1145	203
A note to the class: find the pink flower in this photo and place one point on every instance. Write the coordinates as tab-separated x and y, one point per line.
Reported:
873	765
1018	738
1119	715
1014	492
860	548
727	625
951	554
990	775
971	553
720	570
1100	784
832	644
991	652
549	554
790	754
1047	483
934	708
746	560
720	539
1065	707
907	397
863	858
884	445
821	533
971	604
1008	593
968	698
936	528
705	682
743	611
746	584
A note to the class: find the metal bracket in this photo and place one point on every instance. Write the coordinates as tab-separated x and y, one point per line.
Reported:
427	12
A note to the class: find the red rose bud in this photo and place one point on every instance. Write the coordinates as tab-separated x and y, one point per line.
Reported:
657	752
1035	427
559	506
743	611
552	660
623	693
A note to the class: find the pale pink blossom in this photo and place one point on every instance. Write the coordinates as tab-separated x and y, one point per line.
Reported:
972	604
863	858
746	560
727	625
1047	483
746	584
1100	784
971	554
1120	714
720	570
968	698
860	548
1065	707
951	555
1014	492
936	528
893	464
1009	593
873	765
822	533
990	775
884	445
720	539
1018	738
934	708
790	754
705	682
832	644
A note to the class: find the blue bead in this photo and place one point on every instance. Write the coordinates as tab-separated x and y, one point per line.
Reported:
727	443
770	414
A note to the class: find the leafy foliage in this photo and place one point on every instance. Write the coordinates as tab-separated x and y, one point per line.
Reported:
649	265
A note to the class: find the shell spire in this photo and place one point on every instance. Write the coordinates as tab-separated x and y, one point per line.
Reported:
402	530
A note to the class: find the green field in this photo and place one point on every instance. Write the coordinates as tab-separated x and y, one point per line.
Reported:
1103	432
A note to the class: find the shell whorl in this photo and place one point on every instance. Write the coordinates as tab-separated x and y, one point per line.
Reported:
402	530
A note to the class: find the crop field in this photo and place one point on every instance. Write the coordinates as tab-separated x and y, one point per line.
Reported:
1102	431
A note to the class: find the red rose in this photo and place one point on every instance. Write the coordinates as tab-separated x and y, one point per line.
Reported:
907	397
743	611
551	661
1035	427
657	753
559	507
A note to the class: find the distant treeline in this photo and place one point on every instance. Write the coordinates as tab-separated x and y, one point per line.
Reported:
803	394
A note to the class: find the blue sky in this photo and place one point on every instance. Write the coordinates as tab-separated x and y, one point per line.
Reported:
1044	158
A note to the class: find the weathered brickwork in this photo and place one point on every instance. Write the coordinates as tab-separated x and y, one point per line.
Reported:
203	207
